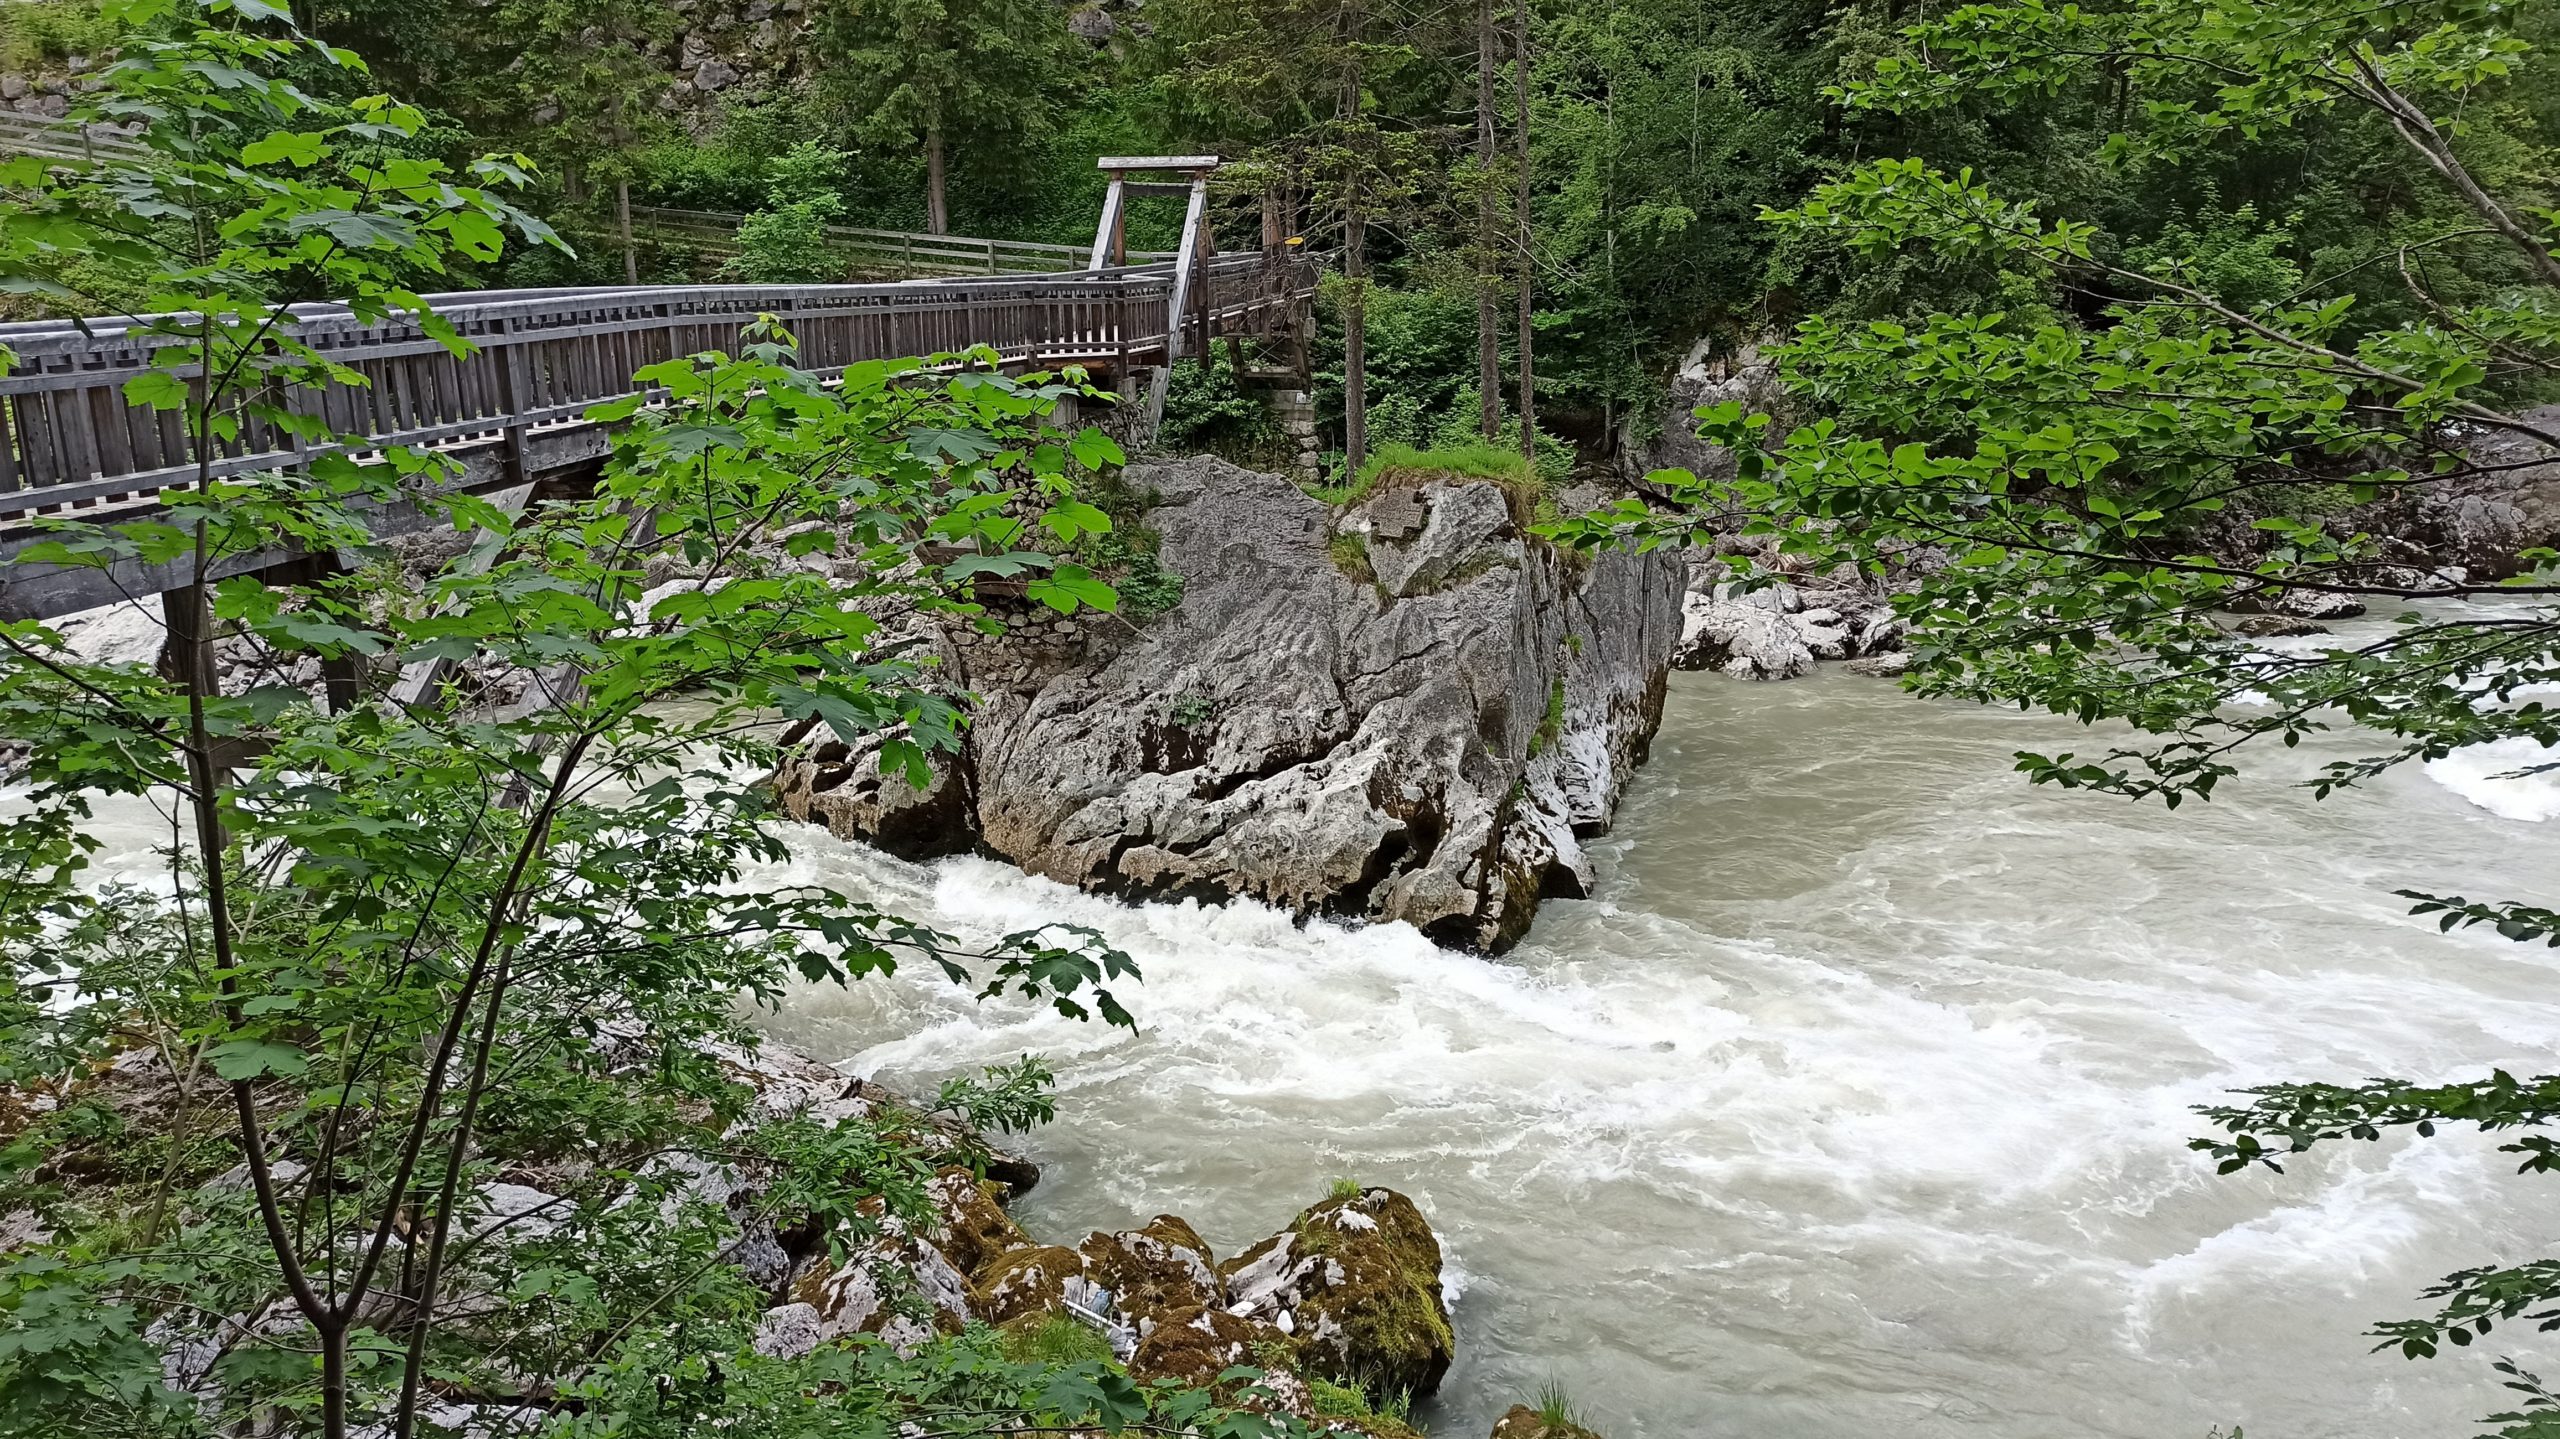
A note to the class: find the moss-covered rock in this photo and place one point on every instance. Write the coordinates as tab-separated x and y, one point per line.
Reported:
1024	1281
896	1286
1523	1422
1355	1284
1194	1346
974	1230
1154	1271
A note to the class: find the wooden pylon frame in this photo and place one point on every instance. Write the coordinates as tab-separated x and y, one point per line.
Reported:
1191	253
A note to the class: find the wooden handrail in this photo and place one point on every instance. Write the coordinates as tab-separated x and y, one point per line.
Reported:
922	253
68	439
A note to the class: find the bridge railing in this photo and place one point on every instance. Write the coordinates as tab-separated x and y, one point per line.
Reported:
892	251
69	441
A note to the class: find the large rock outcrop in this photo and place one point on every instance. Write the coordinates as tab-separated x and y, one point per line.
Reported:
2482	522
1410	709
1703	378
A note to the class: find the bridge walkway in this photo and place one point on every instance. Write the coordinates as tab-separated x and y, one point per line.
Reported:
512	410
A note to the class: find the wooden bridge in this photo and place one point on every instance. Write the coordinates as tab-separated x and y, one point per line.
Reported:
513	410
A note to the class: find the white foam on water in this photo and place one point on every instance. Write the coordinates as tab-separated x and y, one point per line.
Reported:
2487	775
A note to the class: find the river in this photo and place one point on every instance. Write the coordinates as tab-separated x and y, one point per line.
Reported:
1855	1100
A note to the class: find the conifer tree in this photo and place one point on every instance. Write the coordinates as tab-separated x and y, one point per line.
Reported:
943	74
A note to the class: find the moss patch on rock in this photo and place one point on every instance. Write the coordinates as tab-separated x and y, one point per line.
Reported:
1163	1267
1355	1282
1025	1281
976	1232
1196	1346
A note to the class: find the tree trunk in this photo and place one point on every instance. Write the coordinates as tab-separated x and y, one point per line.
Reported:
1488	258
1520	218
622	213
1355	337
937	210
1355	245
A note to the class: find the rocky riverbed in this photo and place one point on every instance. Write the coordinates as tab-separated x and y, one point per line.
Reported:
1342	1307
1349	1293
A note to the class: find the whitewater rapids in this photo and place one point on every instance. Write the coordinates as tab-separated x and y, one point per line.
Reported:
1856	1101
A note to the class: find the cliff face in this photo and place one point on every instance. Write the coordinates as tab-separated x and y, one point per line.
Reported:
1409	710
719	46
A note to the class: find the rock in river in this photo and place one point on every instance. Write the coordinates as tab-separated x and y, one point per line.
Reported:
1355	1283
1406	709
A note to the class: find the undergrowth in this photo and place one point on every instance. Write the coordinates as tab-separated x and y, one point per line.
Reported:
1388	1418
1126	556
1395	464
1054	1338
41	34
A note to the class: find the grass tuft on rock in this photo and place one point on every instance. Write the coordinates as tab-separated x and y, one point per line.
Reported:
1389	1418
1556	1408
1050	1337
1350	553
1394	465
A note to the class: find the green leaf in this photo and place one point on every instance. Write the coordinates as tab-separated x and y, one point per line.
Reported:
156	389
1071	587
242	1059
296	149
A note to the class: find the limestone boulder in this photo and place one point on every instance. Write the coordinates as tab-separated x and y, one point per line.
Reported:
1406	710
1092	23
2301	604
1355	1284
974	1230
842	787
1417	540
2319	605
896	1285
1025	1281
2277	627
1196	1346
1735	637
1161	1269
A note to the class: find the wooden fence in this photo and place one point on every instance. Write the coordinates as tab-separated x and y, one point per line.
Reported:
69	440
61	139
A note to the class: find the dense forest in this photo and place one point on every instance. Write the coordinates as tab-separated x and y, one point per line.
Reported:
1657	132
415	1087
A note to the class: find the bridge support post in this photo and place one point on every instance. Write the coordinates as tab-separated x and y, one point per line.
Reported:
1294	412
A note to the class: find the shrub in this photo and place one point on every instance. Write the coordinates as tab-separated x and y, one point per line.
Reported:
1210	412
1051	1337
786	242
41	34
